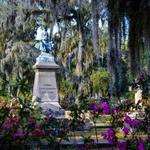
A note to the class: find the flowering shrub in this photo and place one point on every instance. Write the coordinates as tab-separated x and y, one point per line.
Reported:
110	136
133	123
22	125
102	107
25	126
130	128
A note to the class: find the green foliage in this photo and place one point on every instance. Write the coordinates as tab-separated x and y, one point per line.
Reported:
100	81
77	121
19	83
2	41
3	87
87	139
66	87
130	96
70	43
103	42
24	32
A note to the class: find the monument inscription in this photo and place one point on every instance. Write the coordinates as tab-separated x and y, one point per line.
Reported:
47	87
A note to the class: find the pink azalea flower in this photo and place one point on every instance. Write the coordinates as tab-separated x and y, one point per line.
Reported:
37	125
104	135
110	136
126	130
14	120
48	118
19	134
128	120
30	121
122	145
115	110
111	132
95	108
134	123
106	108
105	111
141	145
7	125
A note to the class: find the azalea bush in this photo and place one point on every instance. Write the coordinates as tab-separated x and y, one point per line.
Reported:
132	138
122	122
23	125
130	127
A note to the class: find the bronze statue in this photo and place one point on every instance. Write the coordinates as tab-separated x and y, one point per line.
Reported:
45	45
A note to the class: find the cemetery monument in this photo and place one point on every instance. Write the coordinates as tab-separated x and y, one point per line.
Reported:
45	86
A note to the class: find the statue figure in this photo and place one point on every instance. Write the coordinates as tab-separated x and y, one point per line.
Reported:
45	45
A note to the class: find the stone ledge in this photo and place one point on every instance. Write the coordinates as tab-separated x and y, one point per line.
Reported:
46	66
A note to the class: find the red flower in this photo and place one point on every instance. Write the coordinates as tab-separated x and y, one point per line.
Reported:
14	120
38	133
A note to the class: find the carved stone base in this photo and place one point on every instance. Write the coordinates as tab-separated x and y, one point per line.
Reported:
53	108
45	88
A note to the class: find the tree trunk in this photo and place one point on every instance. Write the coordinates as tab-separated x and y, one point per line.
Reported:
134	48
62	33
148	58
114	60
18	92
79	66
95	33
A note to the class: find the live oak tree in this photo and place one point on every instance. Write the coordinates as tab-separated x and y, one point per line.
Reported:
79	39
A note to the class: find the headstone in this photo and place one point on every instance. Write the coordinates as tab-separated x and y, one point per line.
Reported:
45	87
138	97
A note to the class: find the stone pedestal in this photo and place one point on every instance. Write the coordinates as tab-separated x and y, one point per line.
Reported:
45	88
